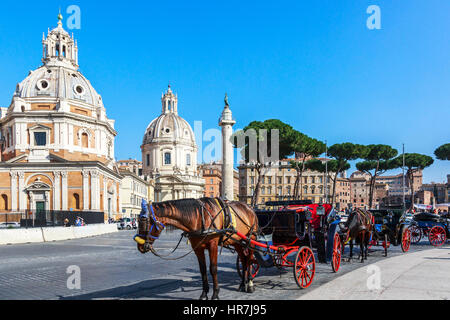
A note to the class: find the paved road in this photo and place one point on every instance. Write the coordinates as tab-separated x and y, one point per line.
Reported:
112	268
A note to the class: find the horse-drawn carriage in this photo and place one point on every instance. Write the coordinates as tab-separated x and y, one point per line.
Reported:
435	227
391	227
289	231
283	235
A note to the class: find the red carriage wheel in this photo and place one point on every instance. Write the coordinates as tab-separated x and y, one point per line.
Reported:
372	243
337	253
437	236
416	234
304	267
406	239
254	268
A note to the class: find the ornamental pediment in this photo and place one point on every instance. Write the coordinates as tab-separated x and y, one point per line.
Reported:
38	186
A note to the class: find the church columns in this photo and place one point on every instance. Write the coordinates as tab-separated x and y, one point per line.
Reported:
65	191
13	175
85	190
22	192
95	190
105	195
57	191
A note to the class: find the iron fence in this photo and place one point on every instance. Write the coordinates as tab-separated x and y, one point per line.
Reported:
40	219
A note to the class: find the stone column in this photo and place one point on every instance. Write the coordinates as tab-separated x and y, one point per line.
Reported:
85	190
64	192
32	202
95	190
57	191
47	200
13	175
105	195
22	193
227	123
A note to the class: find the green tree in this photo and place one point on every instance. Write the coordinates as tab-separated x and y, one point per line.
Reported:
331	168
343	153
304	147
262	146
377	161
443	152
414	162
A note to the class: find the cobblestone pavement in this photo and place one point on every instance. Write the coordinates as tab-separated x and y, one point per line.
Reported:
112	268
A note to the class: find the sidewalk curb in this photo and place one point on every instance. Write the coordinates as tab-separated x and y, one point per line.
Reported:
416	275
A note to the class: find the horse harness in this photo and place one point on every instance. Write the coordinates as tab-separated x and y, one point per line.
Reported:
227	231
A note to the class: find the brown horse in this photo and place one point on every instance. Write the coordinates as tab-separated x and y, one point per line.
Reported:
203	222
359	228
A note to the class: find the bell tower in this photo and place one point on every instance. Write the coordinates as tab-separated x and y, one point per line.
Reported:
169	102
59	48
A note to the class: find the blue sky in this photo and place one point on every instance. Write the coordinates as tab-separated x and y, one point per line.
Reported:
312	64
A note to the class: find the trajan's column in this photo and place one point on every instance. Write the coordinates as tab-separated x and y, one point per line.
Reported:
227	123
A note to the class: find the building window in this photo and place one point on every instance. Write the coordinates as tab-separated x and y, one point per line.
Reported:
167	158
188	159
76	201
4	202
85	140
148	160
40	139
280	191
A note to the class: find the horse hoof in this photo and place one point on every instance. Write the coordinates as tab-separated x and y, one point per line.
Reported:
215	298
242	288
251	289
203	297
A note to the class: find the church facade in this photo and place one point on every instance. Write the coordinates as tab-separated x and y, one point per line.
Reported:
57	143
169	154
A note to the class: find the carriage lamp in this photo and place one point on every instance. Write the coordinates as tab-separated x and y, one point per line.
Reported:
320	211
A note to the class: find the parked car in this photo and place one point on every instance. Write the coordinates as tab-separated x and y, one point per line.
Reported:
127	224
9	225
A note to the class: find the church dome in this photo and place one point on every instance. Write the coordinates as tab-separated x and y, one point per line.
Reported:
169	126
57	110
58	82
59	76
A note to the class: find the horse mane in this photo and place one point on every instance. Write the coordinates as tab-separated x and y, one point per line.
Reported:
187	210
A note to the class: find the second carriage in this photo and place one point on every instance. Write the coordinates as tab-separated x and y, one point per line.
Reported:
290	232
435	227
391	227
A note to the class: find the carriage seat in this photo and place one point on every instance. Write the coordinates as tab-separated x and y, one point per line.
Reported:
426	216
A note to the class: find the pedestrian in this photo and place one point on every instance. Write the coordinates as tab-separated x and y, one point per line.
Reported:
66	223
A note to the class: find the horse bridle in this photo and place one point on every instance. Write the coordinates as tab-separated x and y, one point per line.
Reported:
155	223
